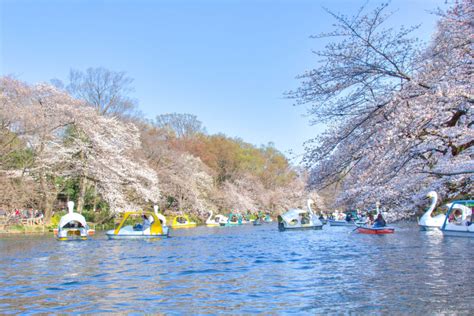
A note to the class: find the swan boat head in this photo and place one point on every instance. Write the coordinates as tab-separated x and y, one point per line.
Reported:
428	222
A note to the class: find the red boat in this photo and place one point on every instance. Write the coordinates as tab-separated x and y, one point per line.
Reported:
375	231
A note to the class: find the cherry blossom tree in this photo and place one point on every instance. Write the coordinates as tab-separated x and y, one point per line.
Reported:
400	118
70	139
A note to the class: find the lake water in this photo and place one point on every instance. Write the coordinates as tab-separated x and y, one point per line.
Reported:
241	270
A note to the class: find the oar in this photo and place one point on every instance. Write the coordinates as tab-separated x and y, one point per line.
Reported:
354	229
357	226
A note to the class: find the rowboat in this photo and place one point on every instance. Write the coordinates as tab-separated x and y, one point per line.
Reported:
375	230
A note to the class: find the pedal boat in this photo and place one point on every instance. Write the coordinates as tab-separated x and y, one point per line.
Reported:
182	221
258	222
461	227
233	220
216	221
155	230
333	222
268	219
297	219
246	220
428	222
72	226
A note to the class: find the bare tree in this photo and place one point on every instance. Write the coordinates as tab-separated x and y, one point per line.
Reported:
105	90
183	125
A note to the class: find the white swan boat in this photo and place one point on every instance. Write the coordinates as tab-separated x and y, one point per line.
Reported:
216	221
299	219
73	226
428	222
333	222
460	225
339	219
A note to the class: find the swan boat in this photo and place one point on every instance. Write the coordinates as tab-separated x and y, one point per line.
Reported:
157	227
73	226
182	221
461	226
246	219
296	219
427	222
216	221
340	219
258	221
342	222
268	219
333	222
233	220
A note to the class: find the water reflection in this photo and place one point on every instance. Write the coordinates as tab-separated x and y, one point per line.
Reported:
239	270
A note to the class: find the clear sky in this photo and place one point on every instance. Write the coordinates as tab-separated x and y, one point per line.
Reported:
228	61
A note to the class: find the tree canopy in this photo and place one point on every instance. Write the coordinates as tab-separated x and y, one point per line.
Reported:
400	115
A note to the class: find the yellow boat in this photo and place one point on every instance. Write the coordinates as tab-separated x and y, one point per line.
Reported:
151	228
182	221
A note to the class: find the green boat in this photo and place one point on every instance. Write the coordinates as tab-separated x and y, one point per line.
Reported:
233	220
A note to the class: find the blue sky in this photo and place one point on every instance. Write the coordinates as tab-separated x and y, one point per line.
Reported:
228	62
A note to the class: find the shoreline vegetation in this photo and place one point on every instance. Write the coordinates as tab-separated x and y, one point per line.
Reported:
57	147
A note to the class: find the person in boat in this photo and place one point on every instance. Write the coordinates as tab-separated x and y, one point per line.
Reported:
304	219
456	217
321	217
146	222
468	220
379	221
144	225
348	217
370	218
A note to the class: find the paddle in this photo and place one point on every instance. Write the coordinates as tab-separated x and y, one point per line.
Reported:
357	226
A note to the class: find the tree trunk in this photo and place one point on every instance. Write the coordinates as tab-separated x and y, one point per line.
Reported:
95	196
81	195
82	187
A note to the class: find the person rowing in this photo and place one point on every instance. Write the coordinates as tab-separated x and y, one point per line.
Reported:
349	217
379	222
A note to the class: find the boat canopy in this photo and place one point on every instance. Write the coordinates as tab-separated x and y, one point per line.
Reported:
465	206
155	228
292	214
181	220
71	217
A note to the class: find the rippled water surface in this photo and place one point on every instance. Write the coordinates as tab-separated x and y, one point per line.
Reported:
243	269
